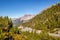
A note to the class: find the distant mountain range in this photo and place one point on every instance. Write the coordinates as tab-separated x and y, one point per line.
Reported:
25	18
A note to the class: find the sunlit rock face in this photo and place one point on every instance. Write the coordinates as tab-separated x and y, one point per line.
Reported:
26	17
22	19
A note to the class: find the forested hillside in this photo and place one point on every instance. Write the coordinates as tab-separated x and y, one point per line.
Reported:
8	32
47	19
5	26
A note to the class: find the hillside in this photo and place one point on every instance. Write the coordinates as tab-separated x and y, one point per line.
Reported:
47	19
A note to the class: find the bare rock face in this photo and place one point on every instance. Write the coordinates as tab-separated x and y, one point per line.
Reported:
27	17
22	19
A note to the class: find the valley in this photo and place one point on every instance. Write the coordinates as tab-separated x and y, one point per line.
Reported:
43	26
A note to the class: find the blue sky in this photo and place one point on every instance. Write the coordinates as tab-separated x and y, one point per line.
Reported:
18	8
